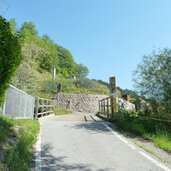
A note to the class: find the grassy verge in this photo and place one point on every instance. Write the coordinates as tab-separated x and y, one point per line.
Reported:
19	155
6	125
157	132
61	111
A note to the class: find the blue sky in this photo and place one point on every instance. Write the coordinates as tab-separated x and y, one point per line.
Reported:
110	37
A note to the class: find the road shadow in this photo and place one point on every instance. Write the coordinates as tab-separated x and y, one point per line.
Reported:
52	163
91	127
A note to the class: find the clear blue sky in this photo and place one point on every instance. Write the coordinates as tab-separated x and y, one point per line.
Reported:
110	37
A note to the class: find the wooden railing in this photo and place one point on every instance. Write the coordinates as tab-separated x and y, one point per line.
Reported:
105	109
105	106
43	107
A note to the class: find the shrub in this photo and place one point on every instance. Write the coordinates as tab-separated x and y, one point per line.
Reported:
85	83
155	130
10	56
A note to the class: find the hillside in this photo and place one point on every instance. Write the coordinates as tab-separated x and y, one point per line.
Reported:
40	55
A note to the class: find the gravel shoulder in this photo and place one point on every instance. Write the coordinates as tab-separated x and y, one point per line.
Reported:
149	147
145	144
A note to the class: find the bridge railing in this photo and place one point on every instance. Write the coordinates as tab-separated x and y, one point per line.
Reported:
18	104
105	106
43	107
105	109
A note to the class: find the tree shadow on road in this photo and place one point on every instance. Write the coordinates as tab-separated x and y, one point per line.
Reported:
91	127
52	163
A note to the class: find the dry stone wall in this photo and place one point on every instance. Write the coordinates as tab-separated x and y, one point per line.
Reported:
87	103
79	102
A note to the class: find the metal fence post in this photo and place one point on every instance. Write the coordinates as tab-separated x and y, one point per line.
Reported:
37	107
3	108
42	109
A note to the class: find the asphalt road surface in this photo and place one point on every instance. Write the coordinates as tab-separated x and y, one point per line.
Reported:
81	142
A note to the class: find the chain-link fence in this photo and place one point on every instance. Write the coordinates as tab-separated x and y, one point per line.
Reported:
18	104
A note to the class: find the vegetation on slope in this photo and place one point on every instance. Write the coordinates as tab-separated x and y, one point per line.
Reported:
82	86
23	133
156	131
40	56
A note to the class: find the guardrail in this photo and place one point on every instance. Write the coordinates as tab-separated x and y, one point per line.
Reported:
43	107
105	106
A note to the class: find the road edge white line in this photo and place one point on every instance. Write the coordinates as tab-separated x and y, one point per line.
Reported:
157	163
119	136
154	161
38	152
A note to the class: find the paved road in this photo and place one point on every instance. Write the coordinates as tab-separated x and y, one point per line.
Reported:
80	142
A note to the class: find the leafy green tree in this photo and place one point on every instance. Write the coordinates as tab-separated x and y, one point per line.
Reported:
153	78
30	27
28	32
81	71
66	62
47	39
50	59
13	26
10	56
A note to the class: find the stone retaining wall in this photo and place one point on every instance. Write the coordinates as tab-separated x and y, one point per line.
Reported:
87	103
79	102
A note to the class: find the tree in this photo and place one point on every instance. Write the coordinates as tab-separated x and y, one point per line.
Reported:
47	39
153	78
30	27
81	71
13	26
28	31
50	59
10	56
66	62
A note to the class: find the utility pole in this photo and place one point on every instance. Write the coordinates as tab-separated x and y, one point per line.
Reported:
54	74
53	78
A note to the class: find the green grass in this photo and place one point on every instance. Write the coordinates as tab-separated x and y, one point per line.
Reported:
6	125
79	86
157	132
162	139
61	111
19	155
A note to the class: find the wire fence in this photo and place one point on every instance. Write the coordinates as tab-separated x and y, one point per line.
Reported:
18	104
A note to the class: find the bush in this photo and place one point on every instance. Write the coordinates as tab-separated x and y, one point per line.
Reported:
154	130
79	86
85	83
10	56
